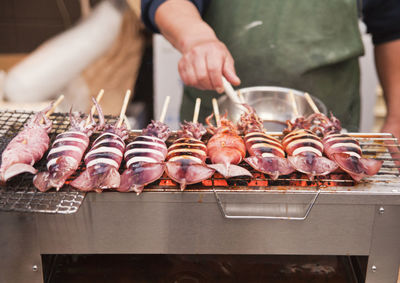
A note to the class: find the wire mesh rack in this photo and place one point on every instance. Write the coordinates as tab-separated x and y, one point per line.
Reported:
19	194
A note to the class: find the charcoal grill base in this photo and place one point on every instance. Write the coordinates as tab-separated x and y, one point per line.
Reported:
191	223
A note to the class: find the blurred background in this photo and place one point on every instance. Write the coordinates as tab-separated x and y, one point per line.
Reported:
77	47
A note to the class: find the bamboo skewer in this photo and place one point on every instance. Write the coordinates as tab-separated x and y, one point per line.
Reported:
55	104
98	98
164	109
123	109
53	108
127	123
311	103
294	105
233	95
241	97
216	112
196	110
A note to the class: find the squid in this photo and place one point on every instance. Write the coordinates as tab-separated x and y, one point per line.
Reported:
305	150
67	150
103	161
27	147
266	152
186	156
226	148
343	149
145	158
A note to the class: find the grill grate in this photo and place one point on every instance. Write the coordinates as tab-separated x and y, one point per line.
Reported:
21	195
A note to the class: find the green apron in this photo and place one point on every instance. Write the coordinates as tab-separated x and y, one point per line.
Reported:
309	45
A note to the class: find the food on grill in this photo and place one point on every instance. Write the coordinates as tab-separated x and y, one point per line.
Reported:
342	148
304	149
103	161
145	158
67	150
266	152
226	148
104	158
186	156
27	147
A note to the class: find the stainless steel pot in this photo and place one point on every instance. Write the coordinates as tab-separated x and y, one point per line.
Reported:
272	104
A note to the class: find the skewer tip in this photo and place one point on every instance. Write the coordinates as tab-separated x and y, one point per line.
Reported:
196	110
123	108
164	109
311	103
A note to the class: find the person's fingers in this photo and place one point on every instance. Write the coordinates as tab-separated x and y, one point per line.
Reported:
187	72
215	62
200	67
229	71
182	72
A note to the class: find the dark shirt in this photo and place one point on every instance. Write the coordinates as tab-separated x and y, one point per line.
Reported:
382	17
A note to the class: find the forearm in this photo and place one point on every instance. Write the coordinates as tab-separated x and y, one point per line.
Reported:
181	24
388	67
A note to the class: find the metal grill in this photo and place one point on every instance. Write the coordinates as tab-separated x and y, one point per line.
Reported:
21	195
379	146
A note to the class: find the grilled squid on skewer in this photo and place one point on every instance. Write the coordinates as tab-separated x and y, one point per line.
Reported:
342	148
145	158
104	158
186	156
67	150
226	148
266	152
304	149
26	148
103	161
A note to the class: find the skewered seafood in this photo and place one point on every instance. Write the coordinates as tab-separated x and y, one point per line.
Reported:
186	156
104	158
226	148
304	149
27	147
342	148
103	161
67	150
266	152
145	158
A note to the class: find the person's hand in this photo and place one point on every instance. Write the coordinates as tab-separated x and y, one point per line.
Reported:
203	65
391	126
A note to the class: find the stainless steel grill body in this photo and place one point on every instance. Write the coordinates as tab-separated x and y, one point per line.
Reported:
363	219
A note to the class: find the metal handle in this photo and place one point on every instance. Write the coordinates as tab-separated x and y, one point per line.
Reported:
226	215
